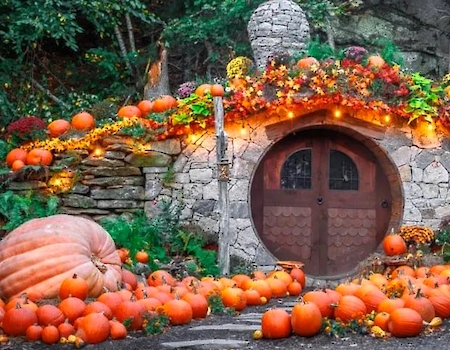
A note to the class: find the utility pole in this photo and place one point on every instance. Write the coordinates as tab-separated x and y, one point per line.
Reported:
223	176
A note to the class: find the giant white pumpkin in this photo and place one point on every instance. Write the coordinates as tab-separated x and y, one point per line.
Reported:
38	255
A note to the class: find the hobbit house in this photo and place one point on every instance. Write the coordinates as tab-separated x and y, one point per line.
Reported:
319	183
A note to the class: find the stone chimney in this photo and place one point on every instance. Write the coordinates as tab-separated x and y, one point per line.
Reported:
277	26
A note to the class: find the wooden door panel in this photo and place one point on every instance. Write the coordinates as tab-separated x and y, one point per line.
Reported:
329	230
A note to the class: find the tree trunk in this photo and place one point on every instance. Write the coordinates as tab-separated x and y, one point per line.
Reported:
158	76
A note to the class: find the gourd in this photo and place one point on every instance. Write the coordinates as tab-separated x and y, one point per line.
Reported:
39	255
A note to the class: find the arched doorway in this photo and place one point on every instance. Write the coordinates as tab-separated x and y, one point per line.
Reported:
321	197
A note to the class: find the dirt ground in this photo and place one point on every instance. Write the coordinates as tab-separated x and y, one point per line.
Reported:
440	338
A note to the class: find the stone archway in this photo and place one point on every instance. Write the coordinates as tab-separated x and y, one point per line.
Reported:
328	224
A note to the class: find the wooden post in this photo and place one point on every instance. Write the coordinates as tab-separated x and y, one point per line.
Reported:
223	177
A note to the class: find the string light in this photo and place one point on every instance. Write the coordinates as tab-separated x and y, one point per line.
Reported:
387	118
337	113
98	152
243	129
290	114
430	126
193	138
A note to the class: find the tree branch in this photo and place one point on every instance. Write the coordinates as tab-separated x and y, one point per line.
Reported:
130	33
123	48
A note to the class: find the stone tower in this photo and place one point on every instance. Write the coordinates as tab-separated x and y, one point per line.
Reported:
277	26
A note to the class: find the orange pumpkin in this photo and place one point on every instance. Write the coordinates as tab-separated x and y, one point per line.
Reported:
50	334
58	127
253	297
130	278
132	310
93	328
97	307
375	61
307	62
142	257
389	305
198	303
234	297
422	305
49	250
117	330
382	320
276	324
16	154
306	319
129	112
178	311
74	287
39	156
34	332
17	320
322	300
349	308
203	89
159	277
294	288
277	286
164	103
111	299
83	121
217	90
72	308
299	275
17	165
49	314
66	329
405	322
394	244
145	106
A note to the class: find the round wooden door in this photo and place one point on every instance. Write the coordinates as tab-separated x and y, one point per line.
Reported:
321	198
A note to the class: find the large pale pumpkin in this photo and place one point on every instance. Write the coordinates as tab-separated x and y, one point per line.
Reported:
38	255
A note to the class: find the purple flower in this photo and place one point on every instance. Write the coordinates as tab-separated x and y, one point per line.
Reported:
186	89
356	53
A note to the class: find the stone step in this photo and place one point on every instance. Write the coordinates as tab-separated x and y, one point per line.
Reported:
208	344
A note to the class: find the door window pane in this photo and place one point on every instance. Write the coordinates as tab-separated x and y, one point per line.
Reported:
343	172
296	170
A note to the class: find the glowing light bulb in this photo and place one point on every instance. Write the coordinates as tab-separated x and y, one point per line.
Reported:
387	118
337	113
243	131
290	114
430	127
98	152
193	138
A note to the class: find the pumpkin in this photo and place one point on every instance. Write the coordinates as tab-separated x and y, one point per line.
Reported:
132	310
129	112
97	307
93	328
17	165
145	107
277	286
17	320
276	324
240	280
49	314
234	297
294	288
306	319
16	154
50	334
179	311
262	287
40	254
375	61
372	297
394	244
142	257
388	305
405	322
281	275
130	278
164	103
117	330
421	304
74	287
83	121
39	156
253	297
441	303
160	277
382	320
299	275
349	308
217	90
322	300
111	299
307	62
58	127
150	304
198	303
65	329
203	89
34	332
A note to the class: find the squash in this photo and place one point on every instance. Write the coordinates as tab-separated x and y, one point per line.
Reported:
39	255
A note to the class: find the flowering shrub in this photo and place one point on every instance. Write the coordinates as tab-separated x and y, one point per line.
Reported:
239	67
186	89
26	129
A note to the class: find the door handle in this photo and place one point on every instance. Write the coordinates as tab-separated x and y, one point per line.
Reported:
384	203
320	200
